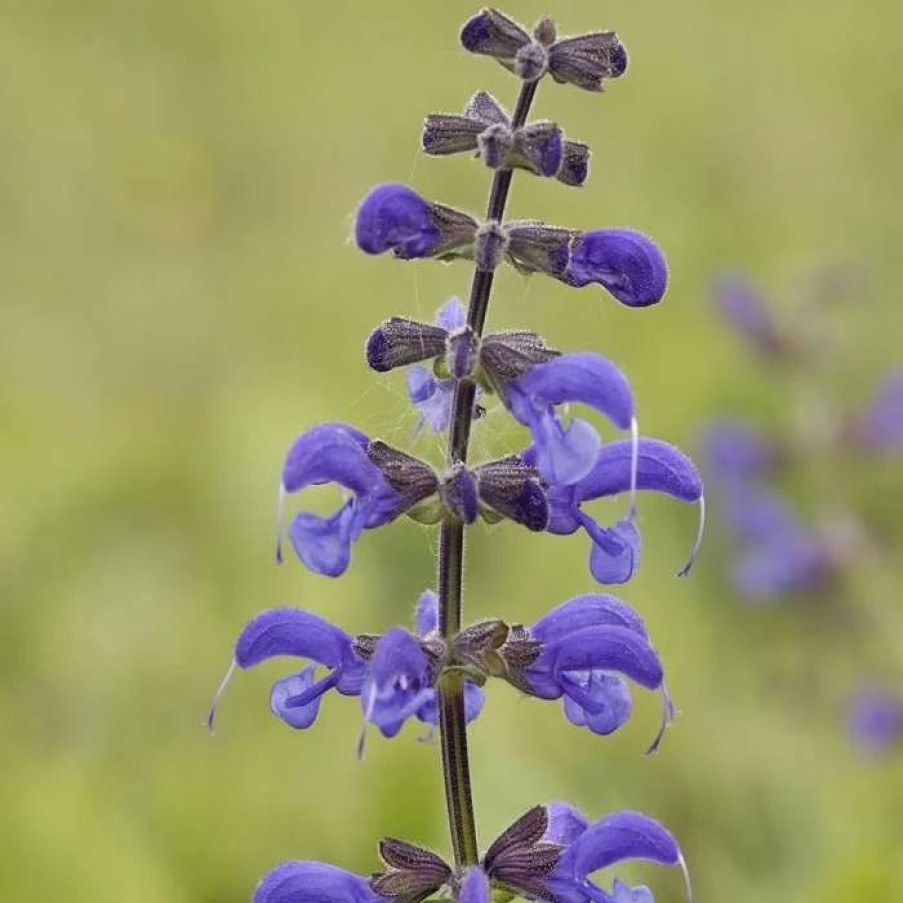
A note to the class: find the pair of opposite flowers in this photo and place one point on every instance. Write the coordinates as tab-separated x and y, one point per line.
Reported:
581	652
543	487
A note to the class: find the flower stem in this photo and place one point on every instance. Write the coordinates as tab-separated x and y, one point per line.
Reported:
452	718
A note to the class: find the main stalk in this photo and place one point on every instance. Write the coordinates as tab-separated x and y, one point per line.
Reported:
452	720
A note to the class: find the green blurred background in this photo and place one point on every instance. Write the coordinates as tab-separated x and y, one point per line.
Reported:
180	298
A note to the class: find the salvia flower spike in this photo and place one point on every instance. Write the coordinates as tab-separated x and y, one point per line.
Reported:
584	652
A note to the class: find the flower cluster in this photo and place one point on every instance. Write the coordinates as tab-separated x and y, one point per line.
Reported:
585	651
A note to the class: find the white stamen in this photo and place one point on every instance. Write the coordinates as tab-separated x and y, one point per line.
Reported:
695	550
686	873
280	521
368	712
219	692
634	463
668	713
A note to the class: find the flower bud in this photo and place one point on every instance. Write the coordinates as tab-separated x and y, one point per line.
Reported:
625	262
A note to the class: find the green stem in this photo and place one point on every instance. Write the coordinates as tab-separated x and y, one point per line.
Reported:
452	719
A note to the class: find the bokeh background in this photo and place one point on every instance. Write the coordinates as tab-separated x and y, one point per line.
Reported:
180	298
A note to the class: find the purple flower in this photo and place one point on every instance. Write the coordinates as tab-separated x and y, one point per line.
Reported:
619	466
399	681
880	426
876	720
626	263
313	882
565	455
336	453
624	893
392	673
587	646
432	397
619	836
395	218
300	634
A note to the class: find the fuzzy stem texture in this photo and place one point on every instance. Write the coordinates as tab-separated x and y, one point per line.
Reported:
452	721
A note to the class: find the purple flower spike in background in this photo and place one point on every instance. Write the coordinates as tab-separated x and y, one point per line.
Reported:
394	217
398	682
624	893
336	453
876	720
628	264
777	553
880	425
735	450
747	312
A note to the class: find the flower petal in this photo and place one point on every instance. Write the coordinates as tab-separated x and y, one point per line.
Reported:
290	631
611	703
330	453
613	649
293	688
394	217
615	554
398	681
622	835
660	468
426	614
566	823
324	543
588	610
474	698
624	893
581	377
313	882
452	315
626	263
